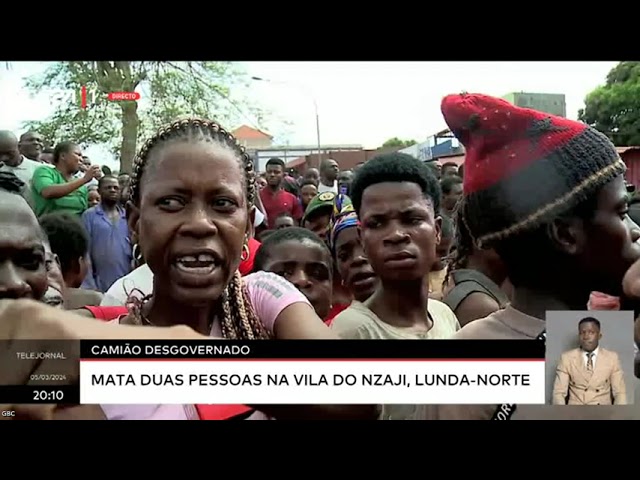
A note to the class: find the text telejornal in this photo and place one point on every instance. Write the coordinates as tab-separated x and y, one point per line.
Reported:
41	356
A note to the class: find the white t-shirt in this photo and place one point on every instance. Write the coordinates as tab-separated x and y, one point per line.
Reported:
140	279
258	218
324	188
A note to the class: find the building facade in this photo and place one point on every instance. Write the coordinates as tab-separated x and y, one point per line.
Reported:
552	103
442	144
295	155
631	157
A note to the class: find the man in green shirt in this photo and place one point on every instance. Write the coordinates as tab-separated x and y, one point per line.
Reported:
56	189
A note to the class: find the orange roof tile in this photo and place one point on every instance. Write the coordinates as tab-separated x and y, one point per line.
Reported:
247	133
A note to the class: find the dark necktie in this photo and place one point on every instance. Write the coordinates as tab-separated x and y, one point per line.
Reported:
590	361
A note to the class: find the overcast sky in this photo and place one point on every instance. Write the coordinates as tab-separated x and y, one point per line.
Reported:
359	102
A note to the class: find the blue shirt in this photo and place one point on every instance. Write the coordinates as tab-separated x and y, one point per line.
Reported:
109	248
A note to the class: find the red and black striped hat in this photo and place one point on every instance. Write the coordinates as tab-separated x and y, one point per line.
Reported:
524	167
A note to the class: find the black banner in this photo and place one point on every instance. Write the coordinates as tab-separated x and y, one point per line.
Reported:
315	349
60	394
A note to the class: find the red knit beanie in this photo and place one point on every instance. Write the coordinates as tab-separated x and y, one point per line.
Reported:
524	167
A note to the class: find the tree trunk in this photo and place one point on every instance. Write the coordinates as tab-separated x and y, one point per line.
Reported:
130	124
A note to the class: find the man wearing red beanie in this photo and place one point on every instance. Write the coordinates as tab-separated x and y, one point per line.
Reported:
548	194
248	256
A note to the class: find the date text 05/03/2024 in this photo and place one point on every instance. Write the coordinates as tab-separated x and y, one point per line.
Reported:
41	356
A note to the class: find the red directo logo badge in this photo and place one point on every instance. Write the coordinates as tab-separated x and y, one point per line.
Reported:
113	96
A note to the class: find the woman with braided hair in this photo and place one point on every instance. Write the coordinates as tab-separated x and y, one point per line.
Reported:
190	212
472	284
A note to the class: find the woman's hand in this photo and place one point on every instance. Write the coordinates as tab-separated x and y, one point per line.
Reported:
37	322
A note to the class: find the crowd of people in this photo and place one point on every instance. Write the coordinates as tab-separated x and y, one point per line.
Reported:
196	240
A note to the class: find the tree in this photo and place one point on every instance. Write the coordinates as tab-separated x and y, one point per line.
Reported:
395	142
614	108
169	90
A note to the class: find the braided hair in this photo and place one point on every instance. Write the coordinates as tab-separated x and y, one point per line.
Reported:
464	243
237	317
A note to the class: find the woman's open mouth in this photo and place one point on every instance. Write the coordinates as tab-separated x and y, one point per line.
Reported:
201	264
197	268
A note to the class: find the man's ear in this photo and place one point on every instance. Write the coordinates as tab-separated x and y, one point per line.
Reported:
83	266
438	228
133	220
567	235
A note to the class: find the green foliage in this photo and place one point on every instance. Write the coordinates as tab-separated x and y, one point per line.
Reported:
396	142
168	90
98	124
614	108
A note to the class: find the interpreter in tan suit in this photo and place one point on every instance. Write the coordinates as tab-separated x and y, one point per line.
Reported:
589	375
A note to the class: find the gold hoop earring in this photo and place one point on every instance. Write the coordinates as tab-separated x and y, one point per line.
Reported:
246	253
136	253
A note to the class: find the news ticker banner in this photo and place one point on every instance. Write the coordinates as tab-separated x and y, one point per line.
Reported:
286	372
313	372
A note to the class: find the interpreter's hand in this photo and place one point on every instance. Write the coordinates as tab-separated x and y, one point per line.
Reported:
92	172
37	322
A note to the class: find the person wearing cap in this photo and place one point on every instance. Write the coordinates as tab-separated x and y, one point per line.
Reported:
548	194
318	214
317	218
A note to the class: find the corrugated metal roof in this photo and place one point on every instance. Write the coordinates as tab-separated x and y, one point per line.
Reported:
626	149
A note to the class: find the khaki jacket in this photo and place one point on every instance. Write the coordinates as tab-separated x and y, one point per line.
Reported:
512	324
575	385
